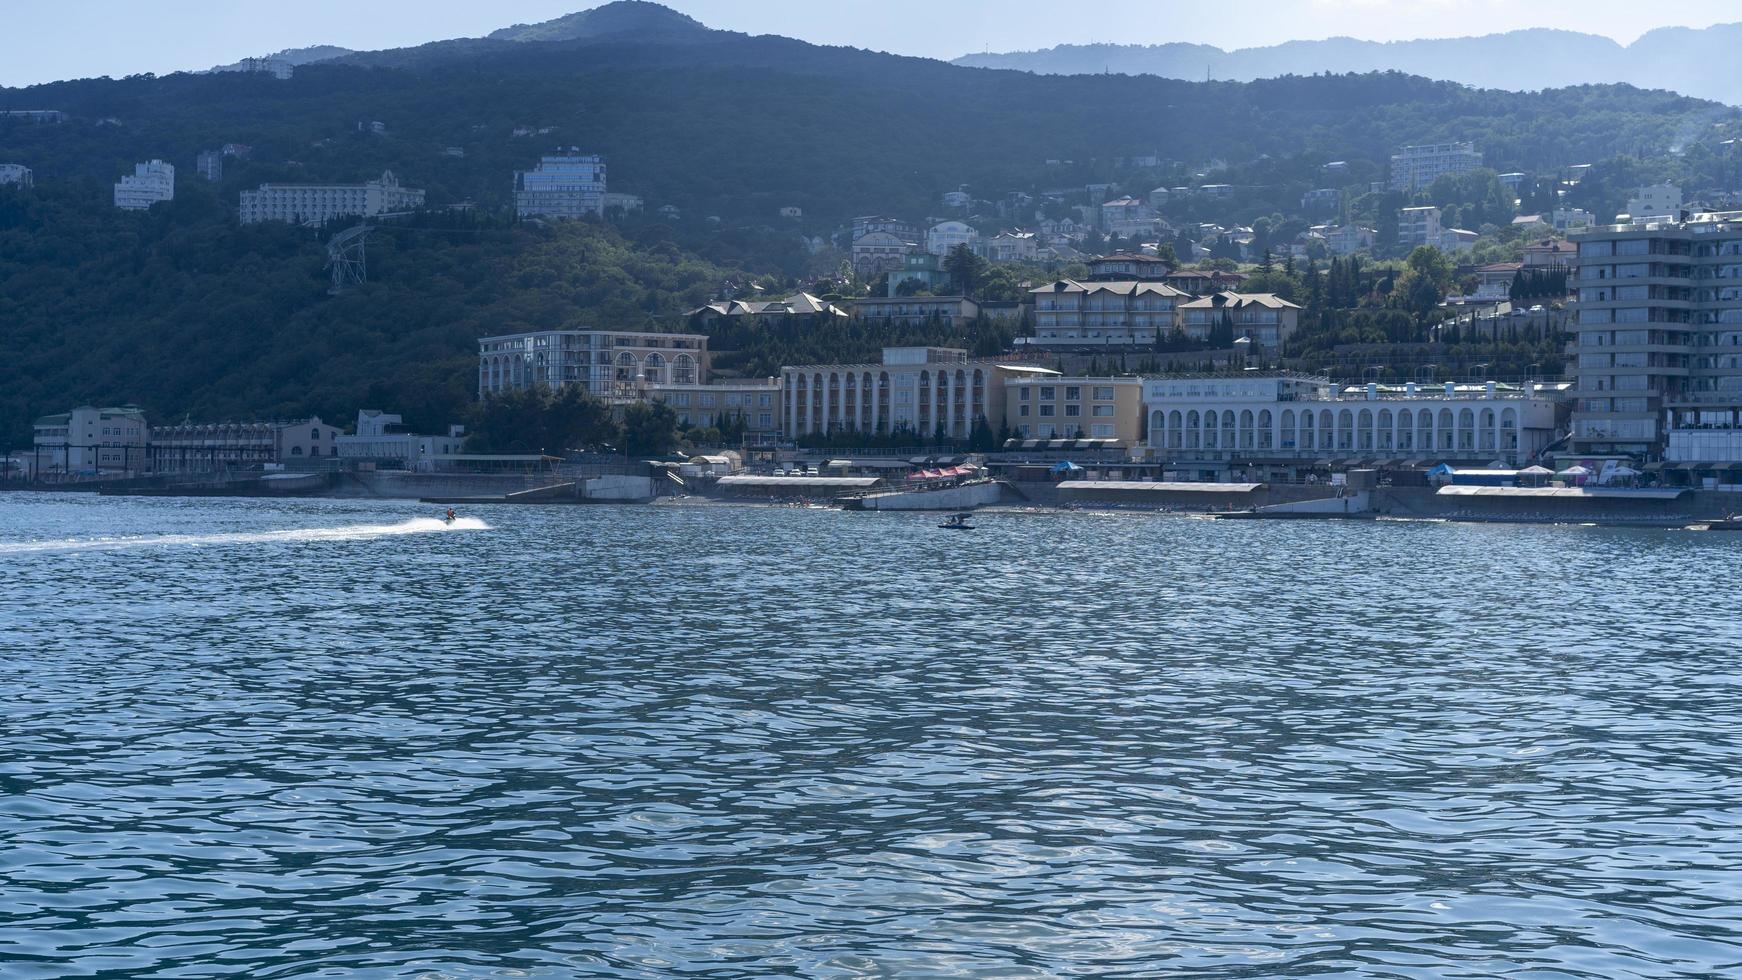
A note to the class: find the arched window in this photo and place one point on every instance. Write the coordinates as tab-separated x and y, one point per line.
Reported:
654	368
296	450
1406	429
1246	437
1194	431
1266	430
1175	430
1306	430
1466	429
1443	430
1384	433
314	434
1485	431
1364	429
683	369
626	365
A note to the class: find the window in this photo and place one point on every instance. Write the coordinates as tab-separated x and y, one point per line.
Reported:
1073	394
765	420
1046	411
1048	393
1022	411
1073	411
1103	394
1101	431
1022	394
1103	411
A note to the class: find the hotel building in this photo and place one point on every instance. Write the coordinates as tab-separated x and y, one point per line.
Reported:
567	185
148	184
611	364
1210	423
1659	340
313	204
1263	318
1417	167
91	440
1056	407
1069	313
919	389
756	401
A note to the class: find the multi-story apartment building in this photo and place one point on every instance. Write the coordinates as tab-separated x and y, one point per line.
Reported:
1659	339
872	223
1212	422
914	311
1121	266
756	401
1321	199
202	447
209	164
1263	318
1656	201
15	173
563	185
1417	167
1127	217
915	389
1419	226
148	184
1099	408
313	204
946	235
91	441
1348	239
1012	246
1096	313
611	364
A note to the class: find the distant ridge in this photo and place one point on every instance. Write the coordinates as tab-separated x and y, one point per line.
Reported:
621	17
1678	59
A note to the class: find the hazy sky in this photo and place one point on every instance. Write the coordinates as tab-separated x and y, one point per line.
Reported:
43	41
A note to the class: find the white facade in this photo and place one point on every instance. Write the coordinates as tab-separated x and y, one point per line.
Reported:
1658	200
1416	167
879	251
148	184
1263	318
91	441
915	389
1295	417
1012	246
566	185
381	437
612	364
313	204
957	199
946	235
1418	226
16	173
1068	313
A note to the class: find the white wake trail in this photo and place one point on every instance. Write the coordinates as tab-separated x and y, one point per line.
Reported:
355	532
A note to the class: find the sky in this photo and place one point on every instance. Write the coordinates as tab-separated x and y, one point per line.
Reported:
42	41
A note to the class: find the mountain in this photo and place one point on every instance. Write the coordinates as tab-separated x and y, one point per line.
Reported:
295	56
636	17
1526	60
182	310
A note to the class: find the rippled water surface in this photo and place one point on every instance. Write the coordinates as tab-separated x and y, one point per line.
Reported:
277	739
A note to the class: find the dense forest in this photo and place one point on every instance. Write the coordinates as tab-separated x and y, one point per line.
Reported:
183	311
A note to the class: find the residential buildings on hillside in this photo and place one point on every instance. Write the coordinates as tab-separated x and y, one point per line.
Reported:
148	184
314	204
1264	319
915	389
1416	167
16	174
947	312
1658	200
946	235
1659	339
1100	313
796	305
879	251
563	186
1418	226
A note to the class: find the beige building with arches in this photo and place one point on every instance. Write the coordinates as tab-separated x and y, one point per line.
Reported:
921	389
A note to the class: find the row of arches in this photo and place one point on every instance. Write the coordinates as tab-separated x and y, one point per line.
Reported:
866	401
1362	430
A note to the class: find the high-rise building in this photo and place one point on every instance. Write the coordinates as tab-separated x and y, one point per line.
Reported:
210	164
1416	167
563	185
312	204
1418	226
1659	339
145	186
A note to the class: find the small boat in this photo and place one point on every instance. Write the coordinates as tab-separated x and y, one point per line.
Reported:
957	522
1727	523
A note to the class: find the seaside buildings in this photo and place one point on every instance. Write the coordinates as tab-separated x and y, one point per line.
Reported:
201	447
917	389
148	184
1075	407
1659	340
313	204
609	364
16	174
384	439
91	441
755	402
1208	425
1416	167
564	186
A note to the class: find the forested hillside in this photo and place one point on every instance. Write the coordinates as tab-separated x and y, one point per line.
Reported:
183	311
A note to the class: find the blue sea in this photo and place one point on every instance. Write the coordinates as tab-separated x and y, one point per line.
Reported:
343	739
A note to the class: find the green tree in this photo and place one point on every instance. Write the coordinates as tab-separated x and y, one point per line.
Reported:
967	270
649	429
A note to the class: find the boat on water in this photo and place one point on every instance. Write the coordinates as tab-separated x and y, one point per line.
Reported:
957	522
1726	523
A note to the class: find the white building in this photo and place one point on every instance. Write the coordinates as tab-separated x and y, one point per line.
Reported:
1417	167
1345	240
565	185
1012	246
1127	217
1212	422
91	441
1658	200
1263	318
879	251
313	204
382	438
610	364
921	390
957	199
148	184
1572	219
946	235
613	200
1418	226
16	173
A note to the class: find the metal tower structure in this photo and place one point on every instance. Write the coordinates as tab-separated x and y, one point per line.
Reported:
346	258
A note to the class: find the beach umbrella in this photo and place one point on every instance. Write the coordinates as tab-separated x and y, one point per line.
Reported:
1536	471
1574	472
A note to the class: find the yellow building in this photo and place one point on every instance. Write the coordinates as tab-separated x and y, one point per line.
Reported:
1058	408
